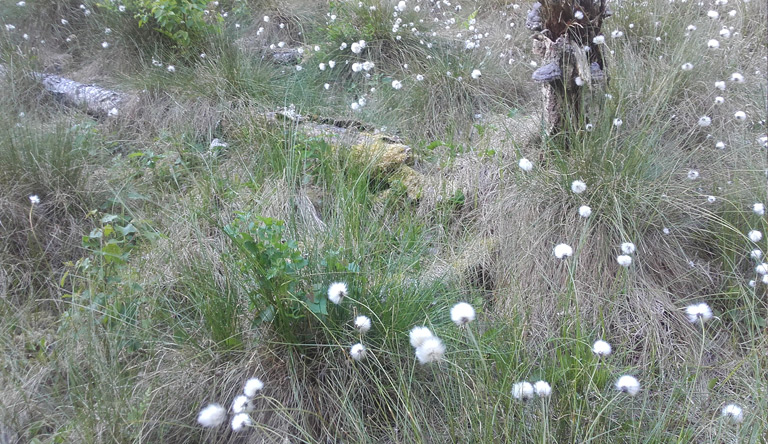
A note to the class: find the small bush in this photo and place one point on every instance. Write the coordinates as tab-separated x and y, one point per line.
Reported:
184	22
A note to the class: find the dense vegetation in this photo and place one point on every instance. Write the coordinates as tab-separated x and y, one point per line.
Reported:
155	259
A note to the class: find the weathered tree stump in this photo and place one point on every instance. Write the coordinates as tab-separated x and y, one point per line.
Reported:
571	58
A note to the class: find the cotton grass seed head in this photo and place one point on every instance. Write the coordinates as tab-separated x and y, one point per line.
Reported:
756	254
601	348
362	324
627	247
693	174
585	211
762	269
336	292
240	422
740	116
396	84
418	335
431	350
733	413
34	199
705	121
242	404
628	384
563	251
686	66
578	187
357	352
212	415
698	312
755	236
525	164
476	74
462	314
252	386
737	78
624	260
713	44
758	208
542	389
522	391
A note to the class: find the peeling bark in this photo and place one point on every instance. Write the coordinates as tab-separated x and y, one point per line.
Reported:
571	61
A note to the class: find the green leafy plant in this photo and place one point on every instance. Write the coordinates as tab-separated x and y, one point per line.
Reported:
273	264
182	21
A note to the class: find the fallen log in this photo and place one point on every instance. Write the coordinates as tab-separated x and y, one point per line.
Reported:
94	99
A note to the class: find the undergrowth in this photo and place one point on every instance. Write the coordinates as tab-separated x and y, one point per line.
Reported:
155	262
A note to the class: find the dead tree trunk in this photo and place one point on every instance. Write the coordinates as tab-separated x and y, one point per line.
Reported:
95	100
571	58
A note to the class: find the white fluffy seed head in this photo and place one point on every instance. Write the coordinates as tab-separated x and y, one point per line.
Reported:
542	389
462	314
762	269
563	251
624	260
628	384
431	350
698	312
578	186
357	352
525	164
240	422
755	236
522	391
252	386
733	413
627	248
418	335
336	292
601	348
585	211
362	324
758	208
213	415
242	404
